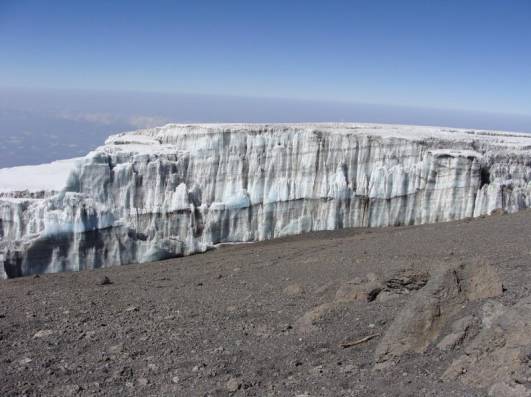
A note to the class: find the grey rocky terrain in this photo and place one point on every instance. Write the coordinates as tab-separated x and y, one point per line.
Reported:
432	310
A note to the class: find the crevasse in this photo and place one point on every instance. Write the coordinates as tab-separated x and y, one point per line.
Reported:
181	189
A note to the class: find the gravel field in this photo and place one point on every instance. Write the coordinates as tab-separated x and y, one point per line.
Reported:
301	316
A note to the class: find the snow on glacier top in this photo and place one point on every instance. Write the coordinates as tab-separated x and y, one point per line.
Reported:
35	178
53	176
411	132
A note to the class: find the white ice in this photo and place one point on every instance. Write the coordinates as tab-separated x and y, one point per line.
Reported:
179	189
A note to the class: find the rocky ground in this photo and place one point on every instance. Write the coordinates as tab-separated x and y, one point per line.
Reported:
436	310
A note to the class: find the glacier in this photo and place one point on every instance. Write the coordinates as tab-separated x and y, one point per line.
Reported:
181	189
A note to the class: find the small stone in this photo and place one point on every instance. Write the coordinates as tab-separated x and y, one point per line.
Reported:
306	323
71	390
451	341
285	327
131	309
348	368
142	381
353	290
463	324
105	281
498	211
232	385
317	370
43	333
294	290
386	296
372	277
116	348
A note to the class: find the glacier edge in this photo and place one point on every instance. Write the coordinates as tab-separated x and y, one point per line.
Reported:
181	189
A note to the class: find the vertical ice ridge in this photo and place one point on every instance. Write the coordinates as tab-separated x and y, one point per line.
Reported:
180	189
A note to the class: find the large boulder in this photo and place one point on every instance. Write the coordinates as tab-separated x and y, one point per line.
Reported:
421	321
499	358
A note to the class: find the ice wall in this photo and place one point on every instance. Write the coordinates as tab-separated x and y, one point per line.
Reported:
180	189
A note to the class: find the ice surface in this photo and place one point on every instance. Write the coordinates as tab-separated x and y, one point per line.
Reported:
35	178
180	189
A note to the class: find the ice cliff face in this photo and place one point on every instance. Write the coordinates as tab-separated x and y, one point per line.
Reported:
180	189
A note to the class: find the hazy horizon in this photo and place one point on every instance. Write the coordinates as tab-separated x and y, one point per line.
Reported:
42	125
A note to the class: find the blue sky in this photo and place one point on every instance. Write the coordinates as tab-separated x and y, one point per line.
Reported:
73	72
462	54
